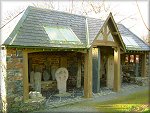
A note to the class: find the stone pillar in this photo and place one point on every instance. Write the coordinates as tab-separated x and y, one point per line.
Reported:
117	76
79	74
96	70
32	79
37	81
144	65
88	74
25	76
137	69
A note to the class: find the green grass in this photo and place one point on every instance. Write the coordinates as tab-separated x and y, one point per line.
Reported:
137	102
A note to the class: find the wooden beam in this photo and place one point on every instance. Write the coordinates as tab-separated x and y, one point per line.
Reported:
115	33
108	34
117	76
104	43
88	74
144	65
25	76
105	33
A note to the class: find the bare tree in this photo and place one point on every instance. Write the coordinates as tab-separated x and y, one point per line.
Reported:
83	7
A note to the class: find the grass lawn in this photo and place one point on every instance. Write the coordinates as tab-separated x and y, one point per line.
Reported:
137	102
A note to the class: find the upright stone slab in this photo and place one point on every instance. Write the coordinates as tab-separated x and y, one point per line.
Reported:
37	79
110	72
46	75
78	85
32	79
53	70
61	78
96	70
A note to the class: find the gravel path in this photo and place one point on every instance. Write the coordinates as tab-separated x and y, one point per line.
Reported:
126	90
99	97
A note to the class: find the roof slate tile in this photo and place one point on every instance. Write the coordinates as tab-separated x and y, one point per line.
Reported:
31	31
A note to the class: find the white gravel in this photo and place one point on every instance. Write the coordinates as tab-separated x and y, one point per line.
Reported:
99	97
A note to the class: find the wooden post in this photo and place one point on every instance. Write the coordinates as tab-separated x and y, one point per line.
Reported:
136	67
88	74
25	76
144	65
128	58
117	77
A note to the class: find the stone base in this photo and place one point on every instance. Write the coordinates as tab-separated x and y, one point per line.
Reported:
18	106
142	81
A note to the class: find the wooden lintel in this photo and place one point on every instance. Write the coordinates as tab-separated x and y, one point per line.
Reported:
104	43
49	50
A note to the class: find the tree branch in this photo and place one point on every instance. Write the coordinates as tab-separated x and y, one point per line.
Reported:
11	19
142	16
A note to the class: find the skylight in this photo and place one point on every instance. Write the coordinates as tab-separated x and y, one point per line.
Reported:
62	34
130	42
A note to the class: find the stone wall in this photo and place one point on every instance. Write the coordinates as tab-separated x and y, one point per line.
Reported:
131	67
13	78
13	99
46	60
130	74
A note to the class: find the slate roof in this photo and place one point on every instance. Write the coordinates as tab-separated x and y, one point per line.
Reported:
133	41
29	31
94	26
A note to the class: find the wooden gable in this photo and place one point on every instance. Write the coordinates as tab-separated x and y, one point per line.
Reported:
109	35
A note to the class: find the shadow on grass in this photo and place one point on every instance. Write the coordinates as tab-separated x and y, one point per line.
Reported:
123	108
137	102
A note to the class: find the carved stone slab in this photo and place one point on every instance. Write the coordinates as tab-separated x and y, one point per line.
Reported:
61	78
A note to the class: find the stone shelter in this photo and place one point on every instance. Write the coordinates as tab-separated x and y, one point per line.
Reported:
95	53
